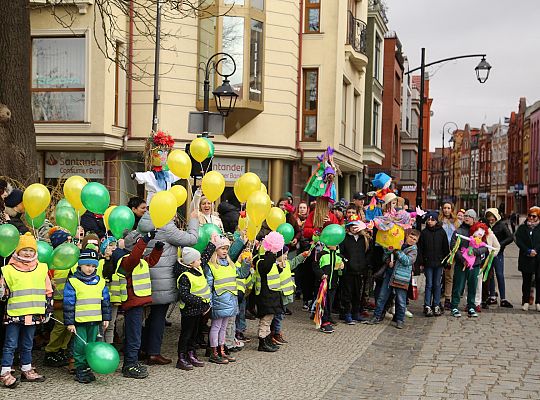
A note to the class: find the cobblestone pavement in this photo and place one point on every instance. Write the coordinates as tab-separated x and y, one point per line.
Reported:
494	356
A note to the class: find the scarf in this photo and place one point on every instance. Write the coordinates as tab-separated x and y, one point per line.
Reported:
24	263
161	178
533	225
223	261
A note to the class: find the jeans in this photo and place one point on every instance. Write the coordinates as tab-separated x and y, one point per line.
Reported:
277	322
498	266
241	316
188	334
433	286
153	329
132	335
384	294
18	336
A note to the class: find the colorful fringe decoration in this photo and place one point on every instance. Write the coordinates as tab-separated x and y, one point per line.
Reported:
320	302
487	265
450	258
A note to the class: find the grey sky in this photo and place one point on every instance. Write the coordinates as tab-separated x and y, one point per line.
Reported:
507	31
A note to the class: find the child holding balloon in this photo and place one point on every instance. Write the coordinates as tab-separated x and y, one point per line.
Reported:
24	274
86	306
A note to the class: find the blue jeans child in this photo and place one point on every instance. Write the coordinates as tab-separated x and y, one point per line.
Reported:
18	336
384	294
433	286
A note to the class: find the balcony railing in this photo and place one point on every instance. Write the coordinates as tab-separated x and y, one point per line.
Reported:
356	34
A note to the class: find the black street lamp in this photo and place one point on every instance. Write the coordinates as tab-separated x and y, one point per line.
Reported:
482	74
224	95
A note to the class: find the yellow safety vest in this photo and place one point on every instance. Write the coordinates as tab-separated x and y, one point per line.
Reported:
198	287
286	280
88	300
140	279
224	278
27	290
114	286
243	284
59	282
272	279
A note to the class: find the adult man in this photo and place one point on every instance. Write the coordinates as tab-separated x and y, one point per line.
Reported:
15	210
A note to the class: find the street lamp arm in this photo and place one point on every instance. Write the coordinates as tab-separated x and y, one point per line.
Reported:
444	60
215	65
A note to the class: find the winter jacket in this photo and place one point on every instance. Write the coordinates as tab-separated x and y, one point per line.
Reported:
479	252
528	239
193	305
226	304
229	215
213	218
70	297
268	301
92	223
502	233
404	260
126	267
354	251
310	230
321	268
16	221
433	247
164	285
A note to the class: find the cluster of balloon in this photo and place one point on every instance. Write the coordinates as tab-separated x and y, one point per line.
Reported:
201	149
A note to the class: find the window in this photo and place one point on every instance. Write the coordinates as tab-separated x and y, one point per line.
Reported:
233	43
309	112
260	168
397	89
377	62
258	4
58	79
375	123
344	100
120	86
255	61
356	111
207	47
312	16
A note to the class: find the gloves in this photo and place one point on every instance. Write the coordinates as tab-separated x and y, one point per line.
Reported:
132	175
159	245
149	236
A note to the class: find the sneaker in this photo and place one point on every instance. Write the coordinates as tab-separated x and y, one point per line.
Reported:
305	307
438	311
525	307
478	308
90	374
348	320
360	317
399	324
372	321
55	360
241	337
492	300
9	380
287	311
81	375
428	312
327	328
456	313
506	304
31	376
408	314
472	313
136	371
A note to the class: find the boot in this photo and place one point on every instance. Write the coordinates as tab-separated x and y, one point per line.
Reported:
263	346
216	358
183	363
208	352
270	343
225	355
192	357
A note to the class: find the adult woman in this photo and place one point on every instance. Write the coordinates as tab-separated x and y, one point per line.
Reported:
288	209
206	214
302	212
460	215
449	223
528	241
138	206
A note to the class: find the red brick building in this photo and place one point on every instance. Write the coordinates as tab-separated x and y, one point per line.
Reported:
515	200
534	160
484	168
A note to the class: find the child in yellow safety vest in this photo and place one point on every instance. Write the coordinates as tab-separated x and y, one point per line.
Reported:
28	290
86	306
194	300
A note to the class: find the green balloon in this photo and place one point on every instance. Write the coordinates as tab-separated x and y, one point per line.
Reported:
66	217
9	239
102	357
44	251
287	231
35	222
211	146
64	256
63	203
95	197
332	235
121	218
205	234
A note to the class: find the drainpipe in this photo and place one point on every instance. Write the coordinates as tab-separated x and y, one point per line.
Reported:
129	73
299	89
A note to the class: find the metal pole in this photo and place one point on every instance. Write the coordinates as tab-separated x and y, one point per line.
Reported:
443	168
156	68
206	109
420	160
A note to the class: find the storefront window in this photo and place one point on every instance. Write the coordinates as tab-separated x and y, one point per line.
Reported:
233	44
207	47
256	61
260	168
58	79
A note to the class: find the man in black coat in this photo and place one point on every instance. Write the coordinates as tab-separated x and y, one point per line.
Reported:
93	223
229	215
14	203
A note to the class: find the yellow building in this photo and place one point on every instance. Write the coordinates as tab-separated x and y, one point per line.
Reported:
299	76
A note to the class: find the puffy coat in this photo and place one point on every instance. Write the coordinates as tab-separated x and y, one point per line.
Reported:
268	301
164	289
433	246
91	223
527	239
229	216
500	230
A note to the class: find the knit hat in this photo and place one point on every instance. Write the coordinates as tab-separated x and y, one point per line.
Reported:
222	241
14	199
130	239
432	215
57	236
26	241
106	241
471	213
287	194
190	255
88	257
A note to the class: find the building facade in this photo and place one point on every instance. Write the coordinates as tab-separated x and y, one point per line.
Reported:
484	169
530	154
499	165
517	195
534	171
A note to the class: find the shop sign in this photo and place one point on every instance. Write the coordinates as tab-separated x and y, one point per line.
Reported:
64	165
409	188
230	168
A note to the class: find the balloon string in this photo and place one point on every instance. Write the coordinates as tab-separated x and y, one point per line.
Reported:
209	163
33	227
82	340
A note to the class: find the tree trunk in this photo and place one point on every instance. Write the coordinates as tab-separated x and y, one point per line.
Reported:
18	158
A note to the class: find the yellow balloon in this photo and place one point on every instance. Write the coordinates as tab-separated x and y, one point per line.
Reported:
252	231
162	208
242	223
213	184
36	199
179	163
72	192
275	218
106	216
257	207
263	188
247	184
199	149
179	193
